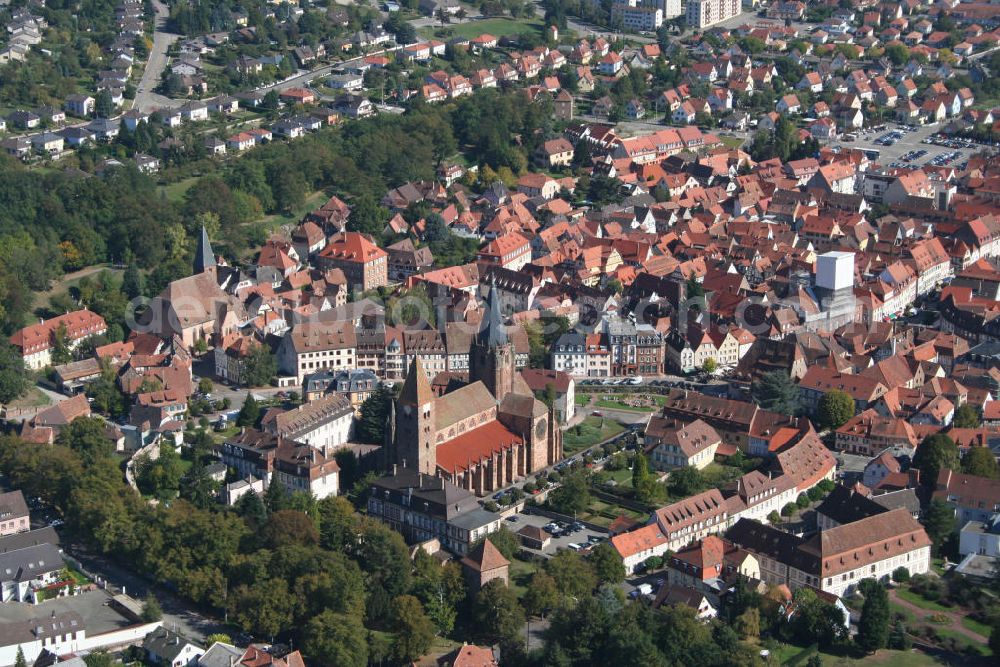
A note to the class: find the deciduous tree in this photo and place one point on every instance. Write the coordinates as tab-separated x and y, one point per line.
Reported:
414	631
835	409
981	462
935	453
336	640
607	563
497	615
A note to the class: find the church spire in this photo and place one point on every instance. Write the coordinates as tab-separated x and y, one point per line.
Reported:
204	258
492	332
416	389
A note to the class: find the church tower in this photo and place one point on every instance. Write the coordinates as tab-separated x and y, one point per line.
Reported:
204	258
491	357
415	445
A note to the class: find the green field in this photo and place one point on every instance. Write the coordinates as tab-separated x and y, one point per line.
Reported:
589	432
498	27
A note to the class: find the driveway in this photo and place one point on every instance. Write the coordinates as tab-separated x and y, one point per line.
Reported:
145	98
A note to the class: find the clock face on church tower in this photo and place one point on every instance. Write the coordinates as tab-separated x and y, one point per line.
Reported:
540	429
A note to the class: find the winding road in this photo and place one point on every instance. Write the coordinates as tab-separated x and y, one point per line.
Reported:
145	98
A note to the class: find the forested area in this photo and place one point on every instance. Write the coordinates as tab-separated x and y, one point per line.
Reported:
53	222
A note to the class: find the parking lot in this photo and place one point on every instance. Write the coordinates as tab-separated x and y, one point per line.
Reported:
580	536
897	141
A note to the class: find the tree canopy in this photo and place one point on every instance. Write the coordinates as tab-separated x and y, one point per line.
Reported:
776	392
835	409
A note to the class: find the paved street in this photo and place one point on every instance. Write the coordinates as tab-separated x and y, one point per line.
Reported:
145	98
178	614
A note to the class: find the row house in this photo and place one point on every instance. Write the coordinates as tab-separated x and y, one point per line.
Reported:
35	343
869	433
836	560
819	380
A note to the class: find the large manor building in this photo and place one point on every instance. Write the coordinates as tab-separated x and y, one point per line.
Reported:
481	436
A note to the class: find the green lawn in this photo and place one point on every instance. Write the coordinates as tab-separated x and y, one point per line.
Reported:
920	601
976	626
796	656
716	475
79	578
602	513
731	142
581	399
908	615
498	27
590	432
175	191
962	640
637	404
273	222
520	573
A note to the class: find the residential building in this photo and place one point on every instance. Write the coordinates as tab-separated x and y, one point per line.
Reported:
37	342
424	507
980	537
510	251
836	560
974	498
311	347
703	13
167	648
365	265
636	18
25	571
14	515
670	445
326	423
562	386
